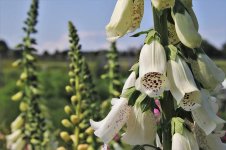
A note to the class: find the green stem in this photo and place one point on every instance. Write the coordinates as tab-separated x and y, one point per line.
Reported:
160	25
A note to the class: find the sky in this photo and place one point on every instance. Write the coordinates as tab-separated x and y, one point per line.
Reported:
90	18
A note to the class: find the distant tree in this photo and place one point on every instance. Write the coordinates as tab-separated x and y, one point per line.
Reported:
224	49
4	49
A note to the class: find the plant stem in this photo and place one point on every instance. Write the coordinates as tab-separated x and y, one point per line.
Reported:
160	25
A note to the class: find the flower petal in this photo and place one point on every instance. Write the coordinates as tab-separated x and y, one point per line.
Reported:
186	30
186	141
130	82
141	128
152	59
182	84
206	72
205	116
215	143
117	117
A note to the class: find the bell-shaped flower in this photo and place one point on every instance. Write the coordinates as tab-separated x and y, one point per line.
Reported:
152	68
186	30
19	145
141	128
10	139
205	116
138	123
211	141
185	141
182	84
206	72
162	4
126	17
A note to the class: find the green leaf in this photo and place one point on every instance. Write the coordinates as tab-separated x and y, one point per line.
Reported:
135	68
133	97
141	33
172	52
177	125
147	104
152	35
128	92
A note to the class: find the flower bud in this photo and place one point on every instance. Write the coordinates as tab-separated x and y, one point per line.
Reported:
68	89
17	123
89	139
81	135
19	83
74	119
67	110
83	147
61	148
18	96
23	106
66	123
74	98
23	76
206	72
71	74
16	63
65	136
83	125
81	86
30	57
89	131
34	141
186	30
72	81
162	4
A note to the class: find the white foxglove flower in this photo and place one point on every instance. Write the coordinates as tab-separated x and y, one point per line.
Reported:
211	141
186	30
121	114
126	17
206	72
205	116
17	123
224	84
186	141
182	84
162	4
152	68
10	139
141	128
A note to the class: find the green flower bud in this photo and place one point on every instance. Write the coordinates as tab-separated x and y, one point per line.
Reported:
72	81
65	136
34	141
74	119
74	98
71	74
17	123
81	135
18	96
162	4
19	83
16	63
83	147
67	110
89	131
73	138
66	123
23	106
83	125
30	57
89	140
23	76
81	86
61	148
68	89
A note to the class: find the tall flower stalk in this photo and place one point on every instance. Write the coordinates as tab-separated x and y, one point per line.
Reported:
112	77
167	93
78	135
29	130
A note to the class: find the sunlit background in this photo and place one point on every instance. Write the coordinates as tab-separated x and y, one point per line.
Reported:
90	18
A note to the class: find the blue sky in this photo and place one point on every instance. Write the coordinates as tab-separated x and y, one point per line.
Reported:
90	18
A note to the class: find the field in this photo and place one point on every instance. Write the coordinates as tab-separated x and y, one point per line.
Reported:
54	78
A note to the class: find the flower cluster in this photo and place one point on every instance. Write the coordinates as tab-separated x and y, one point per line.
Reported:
112	76
29	129
180	68
78	135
